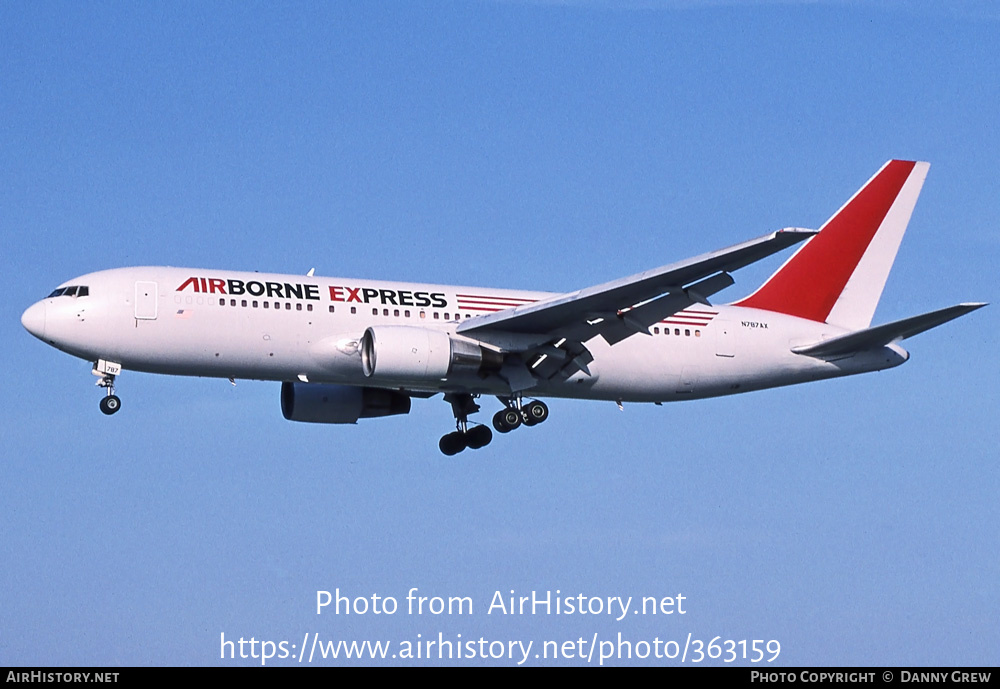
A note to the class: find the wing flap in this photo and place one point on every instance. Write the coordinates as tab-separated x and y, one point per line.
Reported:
639	318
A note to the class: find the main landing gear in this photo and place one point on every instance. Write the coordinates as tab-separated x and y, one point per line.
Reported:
516	413
513	415
473	438
107	371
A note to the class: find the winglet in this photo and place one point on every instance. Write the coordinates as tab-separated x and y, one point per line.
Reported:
837	277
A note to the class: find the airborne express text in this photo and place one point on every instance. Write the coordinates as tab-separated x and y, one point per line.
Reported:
286	290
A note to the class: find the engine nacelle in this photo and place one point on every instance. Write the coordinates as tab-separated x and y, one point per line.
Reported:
402	352
320	403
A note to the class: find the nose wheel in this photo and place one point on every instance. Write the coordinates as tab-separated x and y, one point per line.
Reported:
107	370
111	404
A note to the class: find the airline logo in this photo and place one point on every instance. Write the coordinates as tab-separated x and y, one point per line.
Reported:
483	303
395	297
298	290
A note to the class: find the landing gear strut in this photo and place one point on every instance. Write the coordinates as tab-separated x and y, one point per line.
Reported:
462	404
107	371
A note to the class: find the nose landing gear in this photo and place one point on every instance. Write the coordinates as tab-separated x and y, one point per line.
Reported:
107	370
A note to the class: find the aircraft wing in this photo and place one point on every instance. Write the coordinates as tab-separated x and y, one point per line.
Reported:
621	308
881	335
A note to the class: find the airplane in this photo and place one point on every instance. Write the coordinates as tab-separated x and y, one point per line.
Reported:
346	349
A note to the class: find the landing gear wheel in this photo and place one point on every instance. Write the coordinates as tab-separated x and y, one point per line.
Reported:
535	413
507	420
452	443
478	437
111	404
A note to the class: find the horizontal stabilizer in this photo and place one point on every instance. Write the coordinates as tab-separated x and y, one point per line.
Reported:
879	336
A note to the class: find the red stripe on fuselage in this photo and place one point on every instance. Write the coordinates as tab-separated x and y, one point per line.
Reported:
515	300
490	302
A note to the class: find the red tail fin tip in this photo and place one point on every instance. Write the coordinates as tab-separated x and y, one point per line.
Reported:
838	275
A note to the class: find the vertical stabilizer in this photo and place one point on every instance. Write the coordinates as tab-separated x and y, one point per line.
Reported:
837	276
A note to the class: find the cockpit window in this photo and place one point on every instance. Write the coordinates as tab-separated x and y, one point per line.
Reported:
72	291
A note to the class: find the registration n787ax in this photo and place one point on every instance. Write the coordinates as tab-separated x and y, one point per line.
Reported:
345	349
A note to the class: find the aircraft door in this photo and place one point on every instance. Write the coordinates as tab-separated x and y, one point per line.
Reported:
145	301
725	334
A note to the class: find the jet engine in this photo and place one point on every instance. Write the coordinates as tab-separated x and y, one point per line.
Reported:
401	352
321	403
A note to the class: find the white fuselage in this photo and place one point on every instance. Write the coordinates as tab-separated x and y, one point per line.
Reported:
260	326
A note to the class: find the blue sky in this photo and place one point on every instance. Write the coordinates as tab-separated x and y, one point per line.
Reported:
508	144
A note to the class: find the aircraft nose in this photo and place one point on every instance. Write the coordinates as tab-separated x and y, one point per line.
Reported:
33	319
